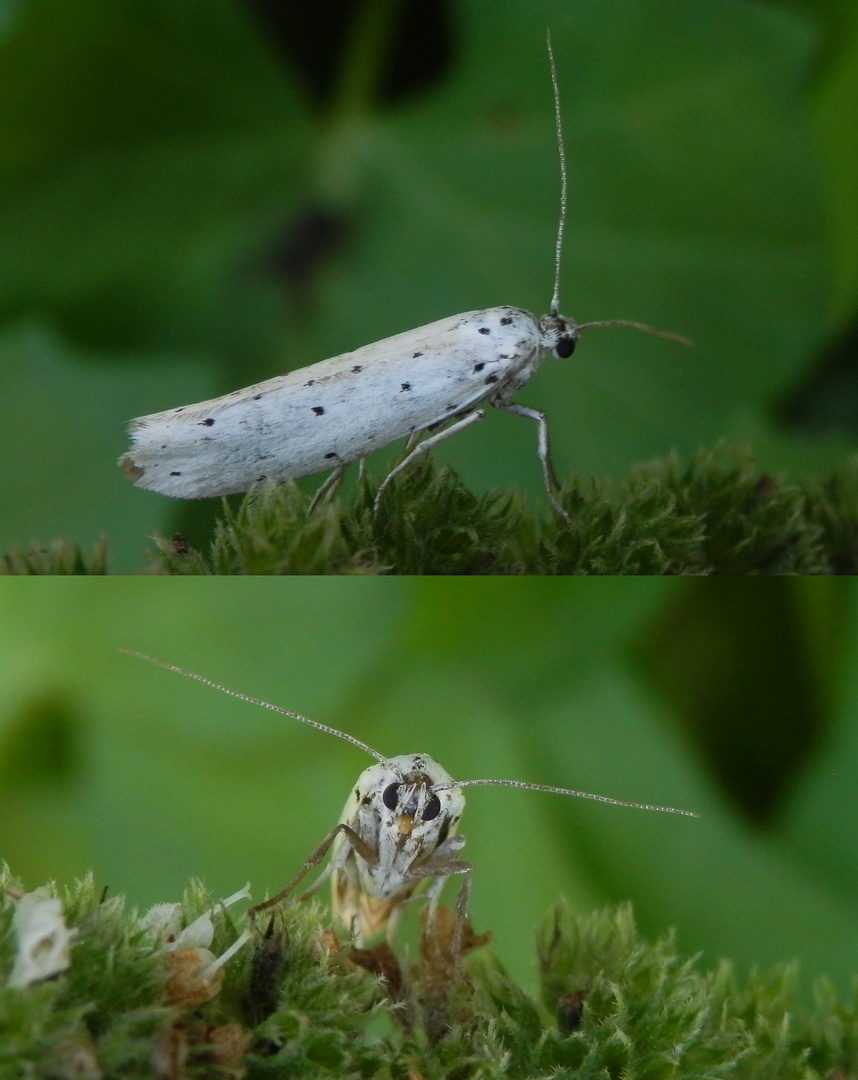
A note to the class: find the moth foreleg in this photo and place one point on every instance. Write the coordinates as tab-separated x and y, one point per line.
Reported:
440	866
355	841
462	898
548	474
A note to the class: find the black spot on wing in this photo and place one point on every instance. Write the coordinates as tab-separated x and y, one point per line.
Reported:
357	369
506	320
318	410
414	356
405	386
479	367
208	422
175	474
490	379
484	330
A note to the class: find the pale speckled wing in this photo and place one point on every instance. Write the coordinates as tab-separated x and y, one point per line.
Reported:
335	411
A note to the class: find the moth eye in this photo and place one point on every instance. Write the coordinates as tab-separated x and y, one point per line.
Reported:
564	348
390	796
432	808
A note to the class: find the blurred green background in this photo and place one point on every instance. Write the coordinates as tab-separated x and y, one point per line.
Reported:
197	195
738	700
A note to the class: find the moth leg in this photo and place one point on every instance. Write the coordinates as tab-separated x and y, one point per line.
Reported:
462	898
548	475
328	488
441	866
314	859
433	895
422	447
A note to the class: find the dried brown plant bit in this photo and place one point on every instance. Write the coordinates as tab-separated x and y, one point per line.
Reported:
194	973
381	961
170	1052
190	978
445	937
225	1047
180	1042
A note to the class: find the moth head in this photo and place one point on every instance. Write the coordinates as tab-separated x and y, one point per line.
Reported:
412	794
558	333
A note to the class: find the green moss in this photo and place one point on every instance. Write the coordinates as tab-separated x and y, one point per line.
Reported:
717	514
61	557
292	1004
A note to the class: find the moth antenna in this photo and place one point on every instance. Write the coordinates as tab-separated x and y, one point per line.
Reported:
578	795
258	701
667	334
558	250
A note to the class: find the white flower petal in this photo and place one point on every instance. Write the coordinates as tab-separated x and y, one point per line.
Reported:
43	938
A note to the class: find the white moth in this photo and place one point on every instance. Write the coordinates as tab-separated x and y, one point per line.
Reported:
424	385
397	833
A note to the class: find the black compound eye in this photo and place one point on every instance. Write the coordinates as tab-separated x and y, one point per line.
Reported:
564	347
432	808
390	796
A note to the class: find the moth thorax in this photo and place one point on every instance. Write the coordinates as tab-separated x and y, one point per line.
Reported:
559	334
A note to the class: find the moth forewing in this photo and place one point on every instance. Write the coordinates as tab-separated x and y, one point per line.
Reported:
337	410
406	811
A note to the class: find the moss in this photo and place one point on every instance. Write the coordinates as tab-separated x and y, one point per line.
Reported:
716	514
61	557
293	1002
